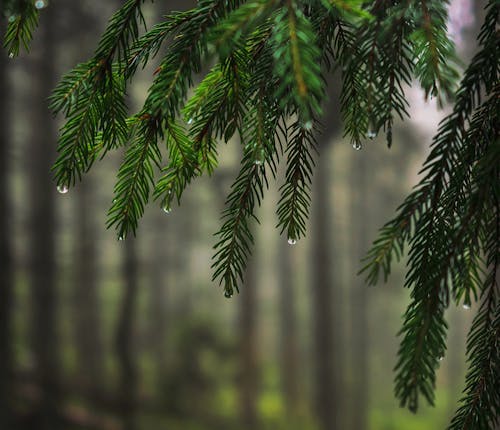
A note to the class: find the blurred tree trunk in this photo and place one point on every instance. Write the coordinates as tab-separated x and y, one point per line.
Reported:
325	398
454	357
327	333
359	309
158	263
6	260
42	273
127	386
289	348
248	349
86	300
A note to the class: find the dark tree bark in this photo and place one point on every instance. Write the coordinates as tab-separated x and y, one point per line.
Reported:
6	259
42	273
127	385
249	376
289	337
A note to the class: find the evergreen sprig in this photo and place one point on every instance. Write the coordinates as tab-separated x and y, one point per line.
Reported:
22	16
297	63
293	207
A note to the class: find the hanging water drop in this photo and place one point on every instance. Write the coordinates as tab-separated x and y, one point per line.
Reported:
357	146
441	358
167	209
292	241
120	237
40	4
228	294
466	306
62	189
11	55
260	157
372	134
12	18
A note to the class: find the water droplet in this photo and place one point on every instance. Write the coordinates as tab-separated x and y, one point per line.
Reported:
12	18
441	358
121	237
466	306
372	134
40	4
308	125
190	120
167	209
292	241
62	189
260	157
357	146
228	294
11	55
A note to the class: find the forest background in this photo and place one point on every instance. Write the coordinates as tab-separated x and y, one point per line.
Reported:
132	335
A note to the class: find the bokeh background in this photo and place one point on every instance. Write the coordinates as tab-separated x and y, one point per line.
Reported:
102	334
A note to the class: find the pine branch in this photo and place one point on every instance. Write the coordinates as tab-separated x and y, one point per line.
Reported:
293	207
229	33
297	62
174	76
121	33
92	99
480	404
441	163
377	63
443	221
22	21
135	178
184	165
434	50
150	43
235	236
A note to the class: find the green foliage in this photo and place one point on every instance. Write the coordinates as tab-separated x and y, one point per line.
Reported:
22	16
451	222
296	63
266	85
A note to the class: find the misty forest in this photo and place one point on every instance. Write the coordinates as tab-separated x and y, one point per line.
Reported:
249	215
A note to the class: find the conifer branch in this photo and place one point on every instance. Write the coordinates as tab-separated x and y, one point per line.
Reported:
443	222
235	236
441	163
135	178
293	207
297	62
183	166
22	18
435	52
149	44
